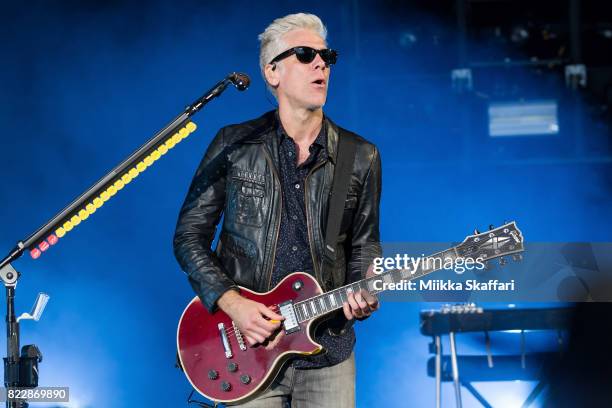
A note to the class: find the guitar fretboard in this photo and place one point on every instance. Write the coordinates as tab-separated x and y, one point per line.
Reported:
320	305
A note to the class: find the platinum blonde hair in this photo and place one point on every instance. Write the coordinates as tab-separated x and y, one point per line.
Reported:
271	40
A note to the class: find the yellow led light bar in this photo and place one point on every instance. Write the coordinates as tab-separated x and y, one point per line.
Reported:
124	180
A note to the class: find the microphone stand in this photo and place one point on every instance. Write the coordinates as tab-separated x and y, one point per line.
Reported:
44	236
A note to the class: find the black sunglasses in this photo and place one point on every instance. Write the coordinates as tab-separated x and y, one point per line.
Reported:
307	54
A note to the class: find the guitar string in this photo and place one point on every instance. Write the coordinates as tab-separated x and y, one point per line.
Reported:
314	300
230	331
415	275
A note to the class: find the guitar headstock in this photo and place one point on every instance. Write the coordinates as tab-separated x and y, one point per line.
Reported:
495	243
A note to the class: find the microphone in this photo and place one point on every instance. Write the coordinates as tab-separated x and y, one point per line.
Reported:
240	80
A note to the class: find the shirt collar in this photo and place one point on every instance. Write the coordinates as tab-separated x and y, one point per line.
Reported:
320	141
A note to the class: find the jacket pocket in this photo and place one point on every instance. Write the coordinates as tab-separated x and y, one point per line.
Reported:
245	201
239	257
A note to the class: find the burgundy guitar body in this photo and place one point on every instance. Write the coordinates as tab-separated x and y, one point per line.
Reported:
238	375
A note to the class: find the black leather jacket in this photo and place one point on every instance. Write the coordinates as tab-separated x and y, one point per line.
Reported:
238	178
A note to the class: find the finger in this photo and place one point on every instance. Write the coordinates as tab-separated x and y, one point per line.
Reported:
267	326
355	309
363	305
371	299
352	301
364	310
264	310
347	311
255	338
258	327
371	305
259	336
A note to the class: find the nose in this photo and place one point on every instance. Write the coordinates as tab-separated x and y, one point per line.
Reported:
318	62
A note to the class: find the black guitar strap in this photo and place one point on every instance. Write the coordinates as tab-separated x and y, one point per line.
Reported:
345	160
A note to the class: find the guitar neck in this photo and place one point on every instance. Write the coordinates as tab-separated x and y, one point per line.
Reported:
325	303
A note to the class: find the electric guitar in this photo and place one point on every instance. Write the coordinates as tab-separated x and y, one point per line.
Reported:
223	367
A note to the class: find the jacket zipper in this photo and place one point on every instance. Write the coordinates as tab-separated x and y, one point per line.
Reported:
314	263
280	213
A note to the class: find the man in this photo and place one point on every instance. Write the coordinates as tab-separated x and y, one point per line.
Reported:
270	177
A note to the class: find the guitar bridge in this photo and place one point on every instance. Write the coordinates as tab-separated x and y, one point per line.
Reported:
290	324
239	337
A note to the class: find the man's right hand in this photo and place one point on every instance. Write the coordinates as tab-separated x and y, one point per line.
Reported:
250	316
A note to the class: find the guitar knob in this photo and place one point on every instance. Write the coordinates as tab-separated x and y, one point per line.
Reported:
232	367
245	379
517	257
502	261
491	227
297	285
213	374
476	232
225	386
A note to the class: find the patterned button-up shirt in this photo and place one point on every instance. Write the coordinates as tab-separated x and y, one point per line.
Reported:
293	252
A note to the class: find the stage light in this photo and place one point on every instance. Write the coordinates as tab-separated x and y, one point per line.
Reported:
75	220
35	253
83	214
461	80
43	246
52	239
519	34
523	118
576	76
408	39
191	127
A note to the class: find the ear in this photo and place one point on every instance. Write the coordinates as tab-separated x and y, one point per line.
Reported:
272	75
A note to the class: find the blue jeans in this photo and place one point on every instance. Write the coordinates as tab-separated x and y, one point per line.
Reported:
310	388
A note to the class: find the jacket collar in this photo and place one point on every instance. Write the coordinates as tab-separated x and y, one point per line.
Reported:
264	129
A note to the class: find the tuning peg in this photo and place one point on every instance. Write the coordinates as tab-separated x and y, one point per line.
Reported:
476	232
491	227
517	257
502	261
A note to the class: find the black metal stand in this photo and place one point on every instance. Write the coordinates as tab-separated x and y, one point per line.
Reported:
201	404
9	275
11	363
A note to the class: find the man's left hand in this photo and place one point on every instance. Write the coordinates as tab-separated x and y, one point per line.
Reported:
360	305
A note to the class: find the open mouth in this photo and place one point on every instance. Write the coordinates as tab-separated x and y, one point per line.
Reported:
319	82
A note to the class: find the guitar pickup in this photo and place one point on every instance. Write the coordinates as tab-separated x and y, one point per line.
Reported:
290	324
225	341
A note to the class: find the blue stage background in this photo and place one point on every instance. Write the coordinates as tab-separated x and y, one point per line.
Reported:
83	85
